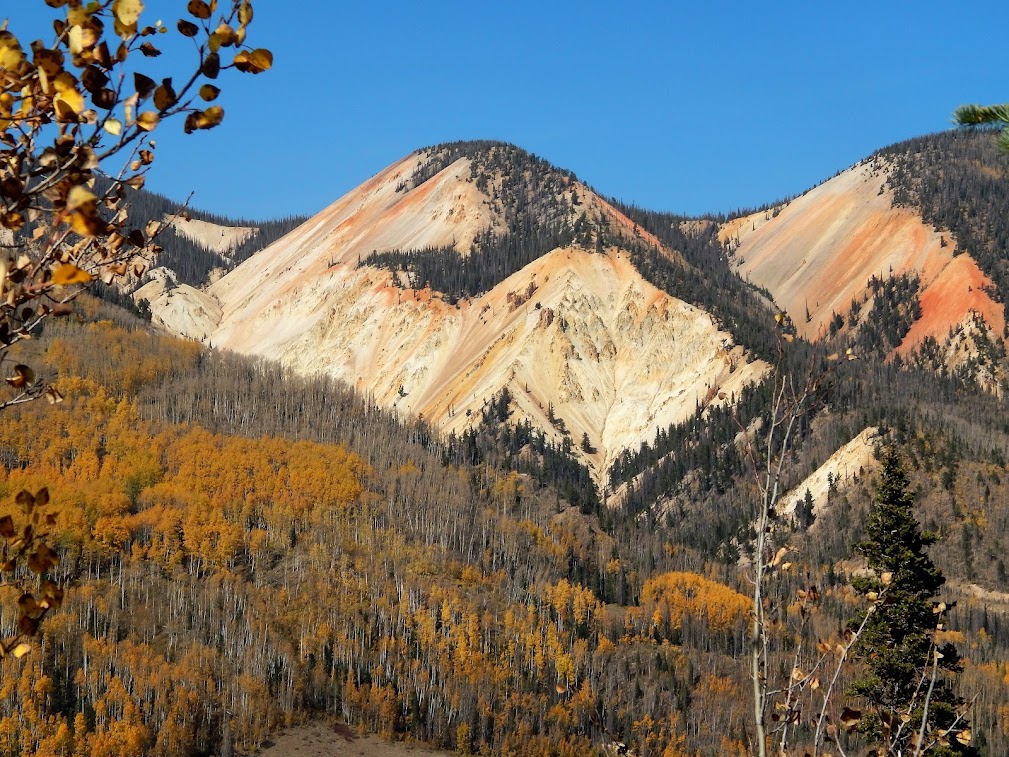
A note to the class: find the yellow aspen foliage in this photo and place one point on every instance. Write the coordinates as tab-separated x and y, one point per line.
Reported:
669	597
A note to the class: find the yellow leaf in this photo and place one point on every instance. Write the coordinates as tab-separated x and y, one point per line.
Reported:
68	273
127	11
68	105
75	40
21	650
214	114
113	126
964	736
148	120
255	62
86	223
77	16
78	197
225	34
11	55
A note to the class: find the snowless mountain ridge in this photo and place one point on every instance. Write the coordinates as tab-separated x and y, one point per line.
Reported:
586	347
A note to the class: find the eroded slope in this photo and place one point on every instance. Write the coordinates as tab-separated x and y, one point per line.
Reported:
817	255
582	342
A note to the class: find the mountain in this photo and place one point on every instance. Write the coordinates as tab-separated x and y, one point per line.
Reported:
904	246
471	269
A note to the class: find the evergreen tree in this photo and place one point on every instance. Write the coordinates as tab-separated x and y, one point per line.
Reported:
804	516
906	671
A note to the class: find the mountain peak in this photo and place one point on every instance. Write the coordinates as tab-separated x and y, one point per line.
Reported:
487	157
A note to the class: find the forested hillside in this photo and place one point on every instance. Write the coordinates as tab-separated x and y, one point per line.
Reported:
191	261
959	180
244	549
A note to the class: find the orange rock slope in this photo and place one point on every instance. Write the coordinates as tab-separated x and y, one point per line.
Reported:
580	332
820	250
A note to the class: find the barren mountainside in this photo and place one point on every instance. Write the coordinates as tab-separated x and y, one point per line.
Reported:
829	256
586	347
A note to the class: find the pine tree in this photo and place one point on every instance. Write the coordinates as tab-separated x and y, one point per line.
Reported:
906	676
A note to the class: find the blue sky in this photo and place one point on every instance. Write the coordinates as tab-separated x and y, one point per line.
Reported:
682	107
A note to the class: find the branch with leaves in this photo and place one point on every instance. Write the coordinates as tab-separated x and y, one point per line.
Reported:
25	558
69	108
986	115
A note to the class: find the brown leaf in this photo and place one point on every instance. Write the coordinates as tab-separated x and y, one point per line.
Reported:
42	559
211	66
144	85
23	376
7	527
850	718
27	604
27	625
209	92
164	96
52	593
199	9
188	28
104	99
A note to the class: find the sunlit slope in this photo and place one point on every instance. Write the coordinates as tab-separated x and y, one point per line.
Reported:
575	335
818	253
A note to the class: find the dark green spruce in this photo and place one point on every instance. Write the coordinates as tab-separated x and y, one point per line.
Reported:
899	639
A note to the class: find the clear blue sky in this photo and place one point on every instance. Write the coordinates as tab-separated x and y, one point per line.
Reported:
693	107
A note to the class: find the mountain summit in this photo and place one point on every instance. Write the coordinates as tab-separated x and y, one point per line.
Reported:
467	269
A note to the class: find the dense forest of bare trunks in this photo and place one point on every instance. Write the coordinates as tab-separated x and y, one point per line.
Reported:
245	550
